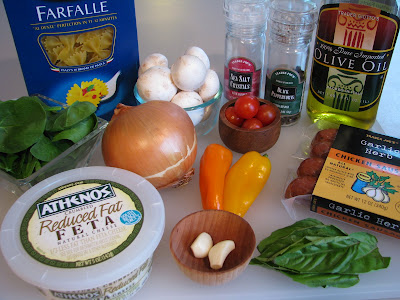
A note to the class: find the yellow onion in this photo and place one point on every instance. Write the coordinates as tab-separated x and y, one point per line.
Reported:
156	140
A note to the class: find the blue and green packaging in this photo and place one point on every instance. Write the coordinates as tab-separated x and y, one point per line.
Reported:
77	50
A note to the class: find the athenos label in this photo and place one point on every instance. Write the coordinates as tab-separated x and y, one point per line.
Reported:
82	223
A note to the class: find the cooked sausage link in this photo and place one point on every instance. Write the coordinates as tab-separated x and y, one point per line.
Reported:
301	186
311	166
321	149
325	135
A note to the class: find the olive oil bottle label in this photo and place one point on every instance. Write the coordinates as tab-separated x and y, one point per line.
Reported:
284	88
241	78
353	49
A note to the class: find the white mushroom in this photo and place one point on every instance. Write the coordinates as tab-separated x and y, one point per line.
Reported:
188	73
196	51
156	84
155	59
189	99
210	86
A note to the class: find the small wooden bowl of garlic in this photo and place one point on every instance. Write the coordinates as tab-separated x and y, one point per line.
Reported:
189	83
212	247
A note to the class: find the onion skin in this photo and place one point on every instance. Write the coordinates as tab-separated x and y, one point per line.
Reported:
156	140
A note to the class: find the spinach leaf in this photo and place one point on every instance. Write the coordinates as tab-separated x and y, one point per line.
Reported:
7	161
77	112
45	150
25	165
33	133
78	131
22	122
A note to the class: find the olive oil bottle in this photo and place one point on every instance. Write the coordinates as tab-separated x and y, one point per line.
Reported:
353	47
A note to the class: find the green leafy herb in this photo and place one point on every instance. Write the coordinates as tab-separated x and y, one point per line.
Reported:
380	182
33	133
320	255
22	123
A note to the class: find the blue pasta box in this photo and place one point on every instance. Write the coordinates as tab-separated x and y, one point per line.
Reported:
77	50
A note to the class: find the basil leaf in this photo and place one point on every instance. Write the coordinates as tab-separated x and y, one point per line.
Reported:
324	280
368	256
319	255
324	255
22	123
280	233
282	244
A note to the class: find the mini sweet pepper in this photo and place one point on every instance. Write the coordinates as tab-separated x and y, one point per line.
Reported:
214	165
244	182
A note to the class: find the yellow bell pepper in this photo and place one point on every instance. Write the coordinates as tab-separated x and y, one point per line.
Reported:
244	182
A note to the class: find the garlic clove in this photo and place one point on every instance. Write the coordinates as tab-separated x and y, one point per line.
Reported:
371	192
386	198
379	196
219	252
202	245
367	188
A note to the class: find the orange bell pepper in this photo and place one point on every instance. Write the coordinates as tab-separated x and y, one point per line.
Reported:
214	164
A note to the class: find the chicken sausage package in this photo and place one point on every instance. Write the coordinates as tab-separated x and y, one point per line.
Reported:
77	50
351	175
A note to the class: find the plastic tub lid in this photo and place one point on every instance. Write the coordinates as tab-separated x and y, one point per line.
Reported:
83	228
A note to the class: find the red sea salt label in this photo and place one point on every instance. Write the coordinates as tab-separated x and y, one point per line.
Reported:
241	78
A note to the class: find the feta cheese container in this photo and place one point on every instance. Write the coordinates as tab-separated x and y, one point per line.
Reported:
87	233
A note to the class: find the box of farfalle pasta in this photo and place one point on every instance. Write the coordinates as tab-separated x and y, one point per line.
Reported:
77	50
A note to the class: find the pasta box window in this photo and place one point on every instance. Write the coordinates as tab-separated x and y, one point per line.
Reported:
77	50
360	181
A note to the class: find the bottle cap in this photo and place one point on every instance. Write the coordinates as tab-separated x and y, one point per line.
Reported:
292	17
246	12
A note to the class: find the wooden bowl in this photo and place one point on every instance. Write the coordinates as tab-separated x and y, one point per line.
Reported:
221	225
243	140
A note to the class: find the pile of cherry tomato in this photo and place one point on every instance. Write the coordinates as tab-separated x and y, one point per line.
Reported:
248	113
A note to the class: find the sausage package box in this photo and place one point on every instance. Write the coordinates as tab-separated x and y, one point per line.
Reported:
77	50
360	181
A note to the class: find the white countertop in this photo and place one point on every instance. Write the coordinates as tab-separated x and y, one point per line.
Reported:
169	27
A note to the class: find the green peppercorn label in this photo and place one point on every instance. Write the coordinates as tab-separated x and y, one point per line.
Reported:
284	88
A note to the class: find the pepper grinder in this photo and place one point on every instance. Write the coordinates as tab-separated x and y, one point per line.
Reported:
291	24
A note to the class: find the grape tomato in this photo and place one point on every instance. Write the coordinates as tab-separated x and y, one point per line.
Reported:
266	114
252	123
232	117
246	107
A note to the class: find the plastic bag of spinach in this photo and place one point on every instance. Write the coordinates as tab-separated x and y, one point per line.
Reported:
33	133
320	255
